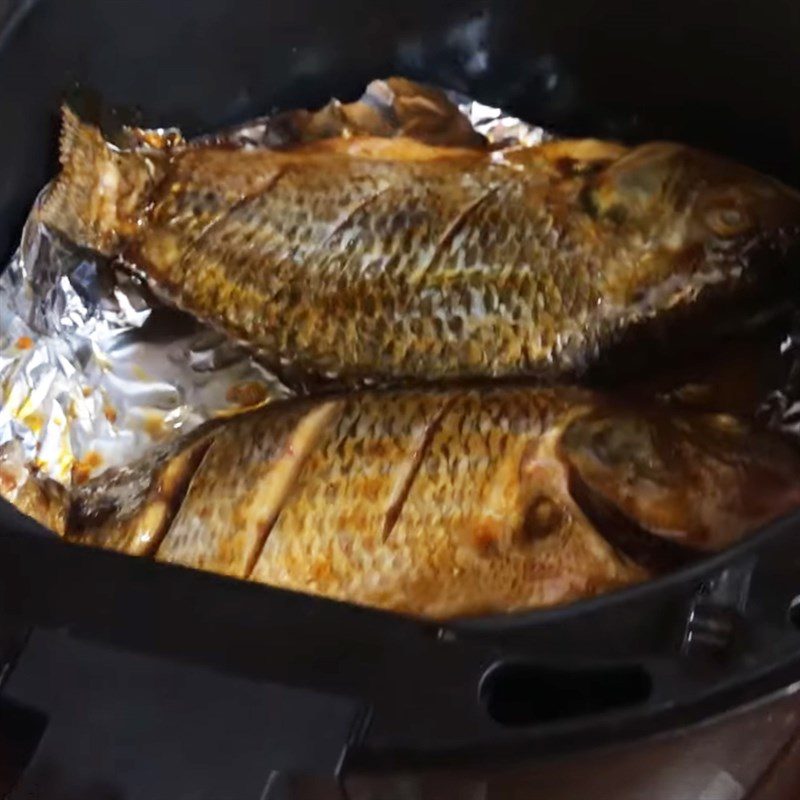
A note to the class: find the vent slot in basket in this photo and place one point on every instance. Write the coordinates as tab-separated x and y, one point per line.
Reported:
517	694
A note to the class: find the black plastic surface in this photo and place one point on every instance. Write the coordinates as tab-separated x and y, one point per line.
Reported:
123	724
419	683
720	74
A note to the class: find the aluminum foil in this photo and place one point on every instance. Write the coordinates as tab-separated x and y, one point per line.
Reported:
95	371
781	409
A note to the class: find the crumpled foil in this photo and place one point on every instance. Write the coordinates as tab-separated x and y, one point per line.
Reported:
781	408
95	371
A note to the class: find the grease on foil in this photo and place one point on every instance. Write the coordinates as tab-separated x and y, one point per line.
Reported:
95	371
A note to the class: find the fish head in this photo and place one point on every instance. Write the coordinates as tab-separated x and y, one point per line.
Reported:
683	212
699	481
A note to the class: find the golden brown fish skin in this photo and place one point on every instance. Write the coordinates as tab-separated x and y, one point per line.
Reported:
34	494
460	502
485	525
388	259
240	487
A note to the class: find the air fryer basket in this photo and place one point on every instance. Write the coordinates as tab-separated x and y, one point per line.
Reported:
314	686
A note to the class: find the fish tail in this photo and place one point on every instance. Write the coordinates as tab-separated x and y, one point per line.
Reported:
101	192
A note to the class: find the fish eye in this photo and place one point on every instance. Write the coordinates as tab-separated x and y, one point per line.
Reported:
728	220
543	517
727	211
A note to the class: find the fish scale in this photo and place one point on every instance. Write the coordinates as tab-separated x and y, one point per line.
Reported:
222	522
331	546
441	503
469	452
385	260
461	518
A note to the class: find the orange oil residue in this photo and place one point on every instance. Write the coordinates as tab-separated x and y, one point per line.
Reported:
83	469
24	343
9	480
65	458
110	413
87	391
34	422
247	394
154	425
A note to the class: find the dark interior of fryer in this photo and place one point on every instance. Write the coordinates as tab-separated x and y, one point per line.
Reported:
716	74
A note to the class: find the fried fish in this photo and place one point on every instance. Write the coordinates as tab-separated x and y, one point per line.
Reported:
365	259
445	503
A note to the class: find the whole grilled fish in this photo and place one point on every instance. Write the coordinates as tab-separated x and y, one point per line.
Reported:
446	503
388	259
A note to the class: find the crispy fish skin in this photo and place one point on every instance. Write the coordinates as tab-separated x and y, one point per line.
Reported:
449	503
367	259
479	529
240	488
34	494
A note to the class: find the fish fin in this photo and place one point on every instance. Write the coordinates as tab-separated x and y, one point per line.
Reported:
131	508
101	191
31	492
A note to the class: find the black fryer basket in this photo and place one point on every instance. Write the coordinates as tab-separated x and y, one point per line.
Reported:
255	681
